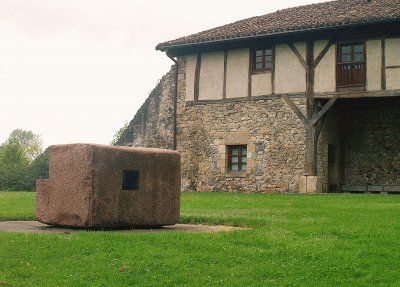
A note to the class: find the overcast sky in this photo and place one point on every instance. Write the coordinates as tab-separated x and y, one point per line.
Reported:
76	70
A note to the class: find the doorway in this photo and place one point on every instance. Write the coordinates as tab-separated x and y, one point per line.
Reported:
333	168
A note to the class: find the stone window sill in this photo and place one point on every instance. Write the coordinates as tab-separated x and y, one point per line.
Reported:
236	174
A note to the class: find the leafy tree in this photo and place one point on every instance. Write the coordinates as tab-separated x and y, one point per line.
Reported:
31	143
40	166
14	168
21	161
119	133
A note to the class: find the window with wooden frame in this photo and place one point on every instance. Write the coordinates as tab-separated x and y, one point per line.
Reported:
262	59
350	69
237	158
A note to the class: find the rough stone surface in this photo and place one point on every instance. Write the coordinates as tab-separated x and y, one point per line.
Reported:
366	133
274	136
152	125
85	187
371	141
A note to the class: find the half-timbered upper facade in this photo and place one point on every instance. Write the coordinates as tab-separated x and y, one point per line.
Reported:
267	100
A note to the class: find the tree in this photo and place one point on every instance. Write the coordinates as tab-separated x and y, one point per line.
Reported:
14	168
40	166
18	165
119	133
31	143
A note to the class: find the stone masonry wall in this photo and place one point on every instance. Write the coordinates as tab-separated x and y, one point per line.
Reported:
274	136
152	125
371	140
330	135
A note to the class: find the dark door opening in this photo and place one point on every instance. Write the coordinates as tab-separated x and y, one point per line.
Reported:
333	169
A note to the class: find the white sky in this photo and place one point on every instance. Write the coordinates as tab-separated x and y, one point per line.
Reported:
76	70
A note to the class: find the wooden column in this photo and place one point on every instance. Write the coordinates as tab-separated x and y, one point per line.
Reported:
315	117
311	139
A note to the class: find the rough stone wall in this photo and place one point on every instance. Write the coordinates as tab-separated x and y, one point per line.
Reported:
152	125
330	135
274	136
371	141
366	134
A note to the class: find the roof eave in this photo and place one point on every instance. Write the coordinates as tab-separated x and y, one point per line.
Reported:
281	33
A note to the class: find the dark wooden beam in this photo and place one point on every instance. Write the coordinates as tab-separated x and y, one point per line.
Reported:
323	111
197	77
318	127
295	109
323	53
225	69
358	94
310	79
393	67
273	72
249	75
383	67
298	55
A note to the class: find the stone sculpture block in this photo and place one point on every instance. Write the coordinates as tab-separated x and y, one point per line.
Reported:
99	186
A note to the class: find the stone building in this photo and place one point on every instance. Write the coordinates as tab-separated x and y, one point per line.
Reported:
302	99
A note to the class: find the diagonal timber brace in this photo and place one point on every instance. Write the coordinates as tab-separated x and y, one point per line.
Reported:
315	119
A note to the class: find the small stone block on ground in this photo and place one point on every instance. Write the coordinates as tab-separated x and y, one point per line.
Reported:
99	186
310	184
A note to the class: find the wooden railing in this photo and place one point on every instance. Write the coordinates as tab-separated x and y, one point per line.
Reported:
350	75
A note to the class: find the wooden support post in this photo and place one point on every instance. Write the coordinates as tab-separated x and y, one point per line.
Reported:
314	119
323	111
311	152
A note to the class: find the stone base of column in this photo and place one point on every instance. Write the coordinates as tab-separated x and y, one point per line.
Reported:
310	184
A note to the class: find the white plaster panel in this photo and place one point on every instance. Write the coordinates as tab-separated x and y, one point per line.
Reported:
374	65
290	75
393	79
237	73
319	46
302	48
191	61
324	73
211	76
392	52
261	84
392	58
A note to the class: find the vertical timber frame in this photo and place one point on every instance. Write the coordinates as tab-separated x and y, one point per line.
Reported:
314	118
311	139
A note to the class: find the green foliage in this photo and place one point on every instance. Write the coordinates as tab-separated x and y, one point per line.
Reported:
119	133
293	240
21	161
31	143
40	165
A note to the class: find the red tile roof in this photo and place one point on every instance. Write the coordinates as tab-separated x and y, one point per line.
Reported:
310	17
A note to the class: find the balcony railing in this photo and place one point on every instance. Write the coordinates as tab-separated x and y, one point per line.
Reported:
350	75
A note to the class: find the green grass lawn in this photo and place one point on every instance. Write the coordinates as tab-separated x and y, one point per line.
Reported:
294	240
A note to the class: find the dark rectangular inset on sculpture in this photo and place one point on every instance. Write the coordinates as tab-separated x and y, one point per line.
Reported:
130	180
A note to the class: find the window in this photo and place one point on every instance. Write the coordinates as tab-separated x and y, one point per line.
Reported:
350	71
130	180
262	59
237	158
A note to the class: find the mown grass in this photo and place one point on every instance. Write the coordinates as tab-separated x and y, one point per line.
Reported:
17	206
294	240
